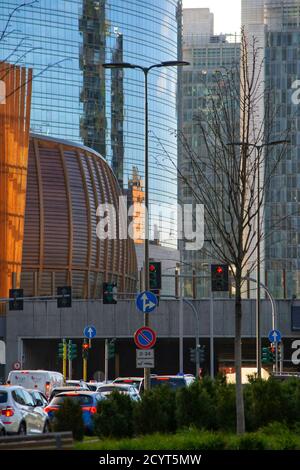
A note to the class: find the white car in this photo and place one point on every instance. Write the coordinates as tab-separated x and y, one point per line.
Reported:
19	413
77	383
126	389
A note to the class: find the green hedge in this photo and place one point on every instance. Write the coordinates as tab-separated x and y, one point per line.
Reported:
69	418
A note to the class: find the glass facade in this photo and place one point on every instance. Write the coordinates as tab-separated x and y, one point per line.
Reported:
206	55
66	41
282	223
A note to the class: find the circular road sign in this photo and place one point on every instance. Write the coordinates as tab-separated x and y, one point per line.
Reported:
145	337
16	365
146	302
89	332
274	336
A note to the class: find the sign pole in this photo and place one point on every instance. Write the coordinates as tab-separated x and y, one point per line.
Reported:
84	369
64	371
106	361
70	361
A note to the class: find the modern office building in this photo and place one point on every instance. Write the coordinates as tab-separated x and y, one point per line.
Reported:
276	24
206	53
74	98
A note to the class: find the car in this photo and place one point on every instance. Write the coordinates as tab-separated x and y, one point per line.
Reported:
77	383
135	381
66	388
39	398
19	413
87	400
172	381
94	385
127	389
42	380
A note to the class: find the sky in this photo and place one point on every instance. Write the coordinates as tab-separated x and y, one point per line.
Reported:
227	13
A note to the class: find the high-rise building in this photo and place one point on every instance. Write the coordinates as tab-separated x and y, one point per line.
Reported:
206	53
73	97
276	25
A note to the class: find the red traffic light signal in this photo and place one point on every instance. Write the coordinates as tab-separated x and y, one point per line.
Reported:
85	346
219	278
152	268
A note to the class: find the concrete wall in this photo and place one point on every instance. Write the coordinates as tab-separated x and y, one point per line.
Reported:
42	320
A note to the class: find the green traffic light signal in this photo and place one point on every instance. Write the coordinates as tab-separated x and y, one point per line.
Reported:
111	349
109	293
72	351
62	350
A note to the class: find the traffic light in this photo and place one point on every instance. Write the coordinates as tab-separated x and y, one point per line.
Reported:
201	353
192	354
85	349
219	278
111	348
155	275
109	293
62	350
16	303
265	355
72	351
66	300
272	353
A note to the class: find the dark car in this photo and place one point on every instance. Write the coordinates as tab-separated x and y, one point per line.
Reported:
172	381
86	399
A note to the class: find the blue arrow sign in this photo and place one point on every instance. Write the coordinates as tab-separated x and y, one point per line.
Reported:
146	302
89	332
274	336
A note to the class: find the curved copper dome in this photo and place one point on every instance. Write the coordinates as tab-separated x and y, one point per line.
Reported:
65	185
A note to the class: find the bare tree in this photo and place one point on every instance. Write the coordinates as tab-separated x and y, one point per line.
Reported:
236	132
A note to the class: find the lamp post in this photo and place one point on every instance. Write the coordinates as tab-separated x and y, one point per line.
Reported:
259	148
145	70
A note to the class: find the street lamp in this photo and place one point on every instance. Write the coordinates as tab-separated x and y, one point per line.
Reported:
259	148
146	70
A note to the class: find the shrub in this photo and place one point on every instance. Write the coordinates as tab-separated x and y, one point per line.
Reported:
69	418
226	407
251	441
195	406
262	399
156	411
114	417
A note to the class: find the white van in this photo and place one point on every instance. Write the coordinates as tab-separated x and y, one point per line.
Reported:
43	380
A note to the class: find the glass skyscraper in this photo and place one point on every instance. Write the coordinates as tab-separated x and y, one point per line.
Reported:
207	53
276	24
66	41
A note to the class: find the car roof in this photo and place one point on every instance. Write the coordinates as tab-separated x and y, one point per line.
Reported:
77	392
11	387
115	385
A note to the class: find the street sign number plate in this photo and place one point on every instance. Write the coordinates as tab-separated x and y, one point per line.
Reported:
145	354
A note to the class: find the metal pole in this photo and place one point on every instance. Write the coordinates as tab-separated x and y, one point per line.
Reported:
180	325
84	369
211	335
70	363
65	358
106	361
146	263
197	334
258	341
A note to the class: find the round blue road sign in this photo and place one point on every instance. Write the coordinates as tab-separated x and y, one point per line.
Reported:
89	332
146	302
145	337
274	336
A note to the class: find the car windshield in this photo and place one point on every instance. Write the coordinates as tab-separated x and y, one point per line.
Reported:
173	382
3	397
83	400
108	388
133	382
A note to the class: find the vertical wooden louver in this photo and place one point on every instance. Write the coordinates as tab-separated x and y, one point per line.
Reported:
14	139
